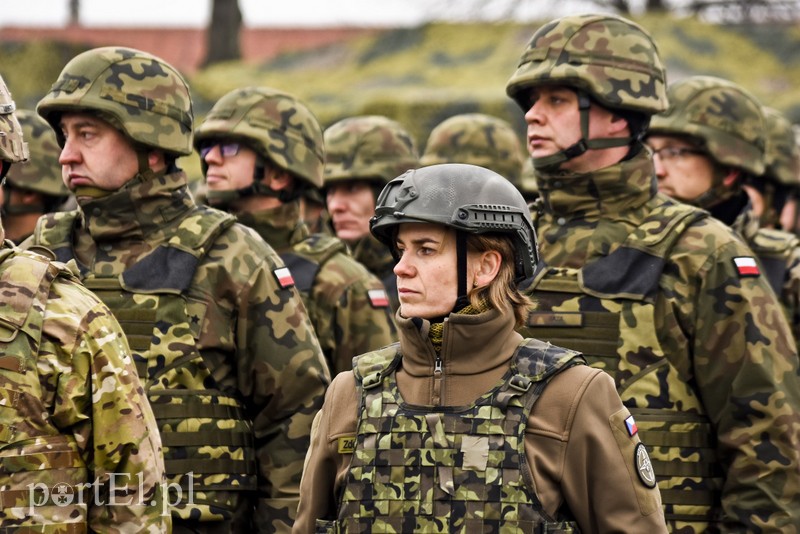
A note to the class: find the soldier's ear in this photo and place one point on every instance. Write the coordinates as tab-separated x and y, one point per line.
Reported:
279	179
731	178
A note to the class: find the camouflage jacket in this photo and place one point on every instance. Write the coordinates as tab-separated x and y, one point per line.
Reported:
378	260
779	254
258	354
575	435
722	351
347	304
74	422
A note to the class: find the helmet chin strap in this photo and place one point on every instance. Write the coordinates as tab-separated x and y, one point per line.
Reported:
224	199
461	268
554	161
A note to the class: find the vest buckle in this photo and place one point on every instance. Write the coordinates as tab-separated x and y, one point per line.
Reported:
520	383
371	380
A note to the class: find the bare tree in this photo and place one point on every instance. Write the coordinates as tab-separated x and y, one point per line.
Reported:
74	12
222	35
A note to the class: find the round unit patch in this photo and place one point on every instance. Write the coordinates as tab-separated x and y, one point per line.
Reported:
644	466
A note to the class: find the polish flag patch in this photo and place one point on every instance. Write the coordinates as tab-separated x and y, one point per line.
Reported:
746	266
284	277
630	425
378	298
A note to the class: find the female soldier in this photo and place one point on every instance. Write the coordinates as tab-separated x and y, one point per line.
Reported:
464	426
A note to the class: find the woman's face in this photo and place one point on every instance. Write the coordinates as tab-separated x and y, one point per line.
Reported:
426	272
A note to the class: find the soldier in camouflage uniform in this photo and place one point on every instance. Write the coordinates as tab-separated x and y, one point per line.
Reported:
441	431
278	155
362	154
774	195
35	187
219	334
79	446
477	139
663	297
707	145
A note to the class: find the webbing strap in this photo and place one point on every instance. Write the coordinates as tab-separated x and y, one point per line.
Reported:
664	438
690	497
208	466
217	438
679	468
196	410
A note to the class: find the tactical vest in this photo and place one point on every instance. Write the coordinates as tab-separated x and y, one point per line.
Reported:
207	438
42	474
606	310
447	469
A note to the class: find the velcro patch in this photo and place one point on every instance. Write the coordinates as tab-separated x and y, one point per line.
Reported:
284	277
746	266
347	445
378	298
644	467
630	425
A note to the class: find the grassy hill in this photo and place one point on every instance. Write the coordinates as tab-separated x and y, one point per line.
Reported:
422	75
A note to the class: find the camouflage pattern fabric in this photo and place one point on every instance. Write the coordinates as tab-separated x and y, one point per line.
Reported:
477	139
693	343
79	446
779	255
723	116
347	304
782	157
42	173
378	260
412	470
12	147
259	361
369	147
138	93
609	57
275	124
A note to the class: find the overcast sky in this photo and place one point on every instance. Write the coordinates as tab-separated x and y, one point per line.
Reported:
195	13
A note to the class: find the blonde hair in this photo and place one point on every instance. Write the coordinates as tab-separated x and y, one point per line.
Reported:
502	291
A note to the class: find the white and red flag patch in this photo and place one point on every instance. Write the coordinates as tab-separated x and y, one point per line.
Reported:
284	276
378	298
746	266
630	425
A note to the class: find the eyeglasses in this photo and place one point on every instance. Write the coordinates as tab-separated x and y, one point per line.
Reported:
667	153
226	149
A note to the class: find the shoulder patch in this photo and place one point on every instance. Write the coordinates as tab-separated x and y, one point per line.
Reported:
284	277
644	467
746	266
347	444
378	298
630	426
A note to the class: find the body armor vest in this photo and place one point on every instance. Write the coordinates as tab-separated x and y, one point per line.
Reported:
42	473
206	436
606	310
447	469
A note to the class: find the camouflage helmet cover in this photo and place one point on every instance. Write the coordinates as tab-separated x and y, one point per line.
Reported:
275	124
723	116
465	197
611	58
368	147
42	173
782	159
138	93
13	148
477	139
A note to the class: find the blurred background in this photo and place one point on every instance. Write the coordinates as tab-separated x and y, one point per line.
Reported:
416	61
